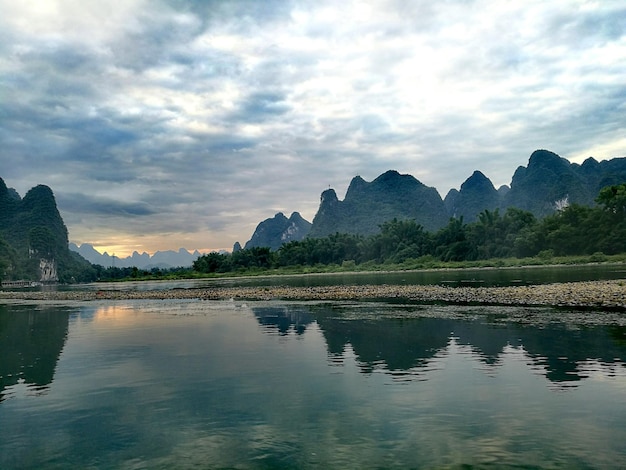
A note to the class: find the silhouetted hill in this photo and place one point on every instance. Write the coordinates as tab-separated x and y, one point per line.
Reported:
548	182
278	230
34	240
368	205
477	194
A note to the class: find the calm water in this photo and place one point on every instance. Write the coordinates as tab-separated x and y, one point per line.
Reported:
200	384
452	277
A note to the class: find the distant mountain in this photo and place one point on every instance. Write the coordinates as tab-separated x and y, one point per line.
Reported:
34	239
547	183
477	194
368	205
278	230
160	259
546	180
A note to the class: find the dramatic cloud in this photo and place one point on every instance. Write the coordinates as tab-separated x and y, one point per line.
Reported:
164	124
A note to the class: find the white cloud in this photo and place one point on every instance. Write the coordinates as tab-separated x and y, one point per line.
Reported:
243	109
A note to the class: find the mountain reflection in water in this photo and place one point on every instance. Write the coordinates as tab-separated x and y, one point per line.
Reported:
395	341
404	345
219	384
31	340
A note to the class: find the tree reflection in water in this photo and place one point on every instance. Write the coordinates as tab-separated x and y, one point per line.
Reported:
404	340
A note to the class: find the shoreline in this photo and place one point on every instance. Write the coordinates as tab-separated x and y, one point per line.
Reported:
585	294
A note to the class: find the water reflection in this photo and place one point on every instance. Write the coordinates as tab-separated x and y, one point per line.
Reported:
404	344
31	341
284	319
561	352
202	384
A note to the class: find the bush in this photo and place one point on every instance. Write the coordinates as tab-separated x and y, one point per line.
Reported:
598	257
546	254
348	264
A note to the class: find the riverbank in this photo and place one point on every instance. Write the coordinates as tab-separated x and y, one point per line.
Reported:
593	294
428	264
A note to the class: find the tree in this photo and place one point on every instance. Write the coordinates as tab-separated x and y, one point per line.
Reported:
398	241
451	243
613	199
210	263
255	257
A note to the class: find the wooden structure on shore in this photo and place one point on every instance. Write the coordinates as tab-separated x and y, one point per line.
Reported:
20	283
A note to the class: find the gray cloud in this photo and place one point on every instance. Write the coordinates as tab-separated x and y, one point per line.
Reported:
102	207
197	120
258	106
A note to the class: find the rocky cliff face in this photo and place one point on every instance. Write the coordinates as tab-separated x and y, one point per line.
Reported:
48	270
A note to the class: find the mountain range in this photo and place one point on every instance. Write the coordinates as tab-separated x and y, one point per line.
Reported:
549	182
160	259
34	239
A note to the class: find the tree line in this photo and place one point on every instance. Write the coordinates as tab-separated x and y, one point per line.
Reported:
571	230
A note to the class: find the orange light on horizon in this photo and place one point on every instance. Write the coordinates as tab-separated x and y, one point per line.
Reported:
124	251
122	245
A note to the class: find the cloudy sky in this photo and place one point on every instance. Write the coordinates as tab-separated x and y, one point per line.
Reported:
168	124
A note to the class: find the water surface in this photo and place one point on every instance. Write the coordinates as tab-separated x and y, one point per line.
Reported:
199	384
483	277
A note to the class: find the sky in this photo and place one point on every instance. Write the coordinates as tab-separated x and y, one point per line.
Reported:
167	124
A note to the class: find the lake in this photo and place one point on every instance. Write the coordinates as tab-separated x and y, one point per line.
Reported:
209	384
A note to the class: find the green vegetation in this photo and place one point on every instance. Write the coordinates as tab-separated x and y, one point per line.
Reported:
575	234
32	229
